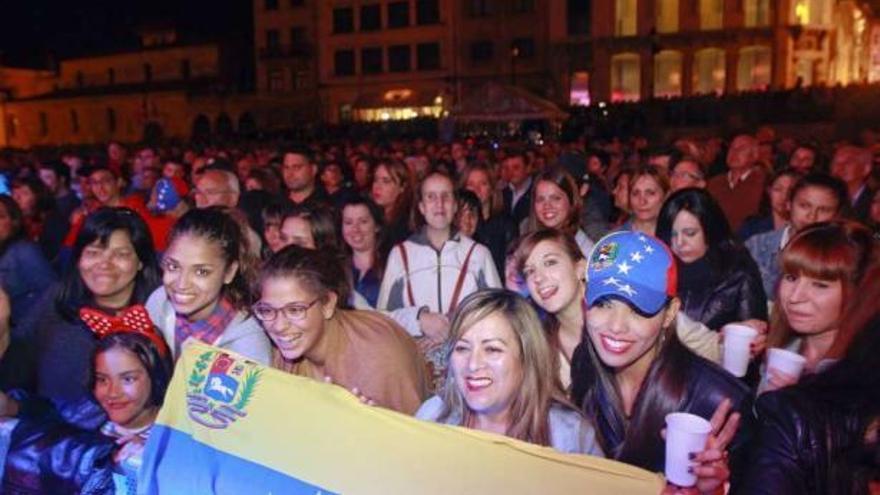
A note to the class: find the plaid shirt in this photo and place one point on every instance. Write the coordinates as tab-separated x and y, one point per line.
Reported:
207	330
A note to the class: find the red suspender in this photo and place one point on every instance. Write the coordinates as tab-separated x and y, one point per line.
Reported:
460	282
409	293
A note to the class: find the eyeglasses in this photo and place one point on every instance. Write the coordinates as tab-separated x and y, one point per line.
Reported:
292	311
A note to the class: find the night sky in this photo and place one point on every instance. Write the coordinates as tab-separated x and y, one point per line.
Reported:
34	30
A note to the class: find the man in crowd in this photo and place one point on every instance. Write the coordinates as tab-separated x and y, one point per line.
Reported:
740	190
518	192
852	165
299	171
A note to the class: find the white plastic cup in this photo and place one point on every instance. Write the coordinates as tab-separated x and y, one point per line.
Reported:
737	339
790	363
686	434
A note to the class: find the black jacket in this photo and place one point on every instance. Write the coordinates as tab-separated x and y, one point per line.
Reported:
706	385
731	289
521	210
790	450
59	451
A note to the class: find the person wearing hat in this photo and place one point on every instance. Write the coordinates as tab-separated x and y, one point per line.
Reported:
631	369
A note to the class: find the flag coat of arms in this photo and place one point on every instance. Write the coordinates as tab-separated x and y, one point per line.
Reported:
231	426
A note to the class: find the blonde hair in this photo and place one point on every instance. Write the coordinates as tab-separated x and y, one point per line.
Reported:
540	387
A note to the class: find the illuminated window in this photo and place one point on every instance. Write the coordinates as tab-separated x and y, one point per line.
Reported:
753	70
757	13
811	12
580	88
625	17
625	77
276	80
709	71
711	14
667	74
667	16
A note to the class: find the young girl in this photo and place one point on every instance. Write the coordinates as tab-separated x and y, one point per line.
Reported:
207	270
130	374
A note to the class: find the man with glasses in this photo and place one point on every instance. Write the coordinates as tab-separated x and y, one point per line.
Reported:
686	173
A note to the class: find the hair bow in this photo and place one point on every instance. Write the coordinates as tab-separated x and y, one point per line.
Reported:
133	319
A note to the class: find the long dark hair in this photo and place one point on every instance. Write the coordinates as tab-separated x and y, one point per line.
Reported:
635	440
99	226
158	366
723	248
218	226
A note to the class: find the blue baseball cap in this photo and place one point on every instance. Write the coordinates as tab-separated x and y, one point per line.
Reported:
632	266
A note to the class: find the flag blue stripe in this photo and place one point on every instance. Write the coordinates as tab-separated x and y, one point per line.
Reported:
174	462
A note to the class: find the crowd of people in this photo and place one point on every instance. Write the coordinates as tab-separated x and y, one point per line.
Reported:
568	294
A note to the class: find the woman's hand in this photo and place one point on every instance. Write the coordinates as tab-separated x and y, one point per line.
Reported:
356	391
778	379
711	467
132	446
435	326
759	343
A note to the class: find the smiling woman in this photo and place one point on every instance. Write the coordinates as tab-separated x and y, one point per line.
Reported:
501	377
302	293
207	269
115	268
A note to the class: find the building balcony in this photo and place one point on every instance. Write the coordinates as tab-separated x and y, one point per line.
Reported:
296	50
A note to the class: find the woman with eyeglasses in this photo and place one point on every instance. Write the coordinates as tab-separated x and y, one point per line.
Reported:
303	308
206	274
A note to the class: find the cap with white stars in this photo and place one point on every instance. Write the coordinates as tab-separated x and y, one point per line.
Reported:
634	267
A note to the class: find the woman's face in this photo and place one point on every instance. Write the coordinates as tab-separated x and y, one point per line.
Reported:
779	194
386	189
621	336
297	231
438	204
359	228
646	198
486	362
5	223
109	271
123	387
688	238
25	198
478	183
551	205
621	192
194	272
467	220
553	278
811	305
272	233
295	338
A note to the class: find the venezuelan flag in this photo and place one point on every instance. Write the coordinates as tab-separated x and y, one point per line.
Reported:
230	426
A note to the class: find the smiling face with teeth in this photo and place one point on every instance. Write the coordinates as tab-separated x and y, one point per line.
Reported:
486	363
624	339
302	338
554	277
552	207
194	271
